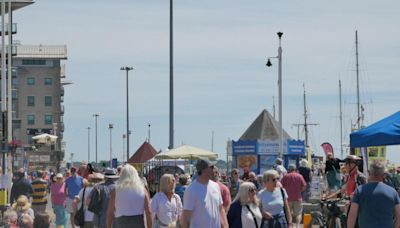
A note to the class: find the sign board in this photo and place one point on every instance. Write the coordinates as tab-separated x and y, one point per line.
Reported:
270	147
296	147
244	147
44	158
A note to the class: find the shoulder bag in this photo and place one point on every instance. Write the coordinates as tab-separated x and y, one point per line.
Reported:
79	218
254	216
284	207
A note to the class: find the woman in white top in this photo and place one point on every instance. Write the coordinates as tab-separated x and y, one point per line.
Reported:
273	202
244	212
129	204
166	205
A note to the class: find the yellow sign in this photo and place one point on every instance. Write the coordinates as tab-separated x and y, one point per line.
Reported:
374	153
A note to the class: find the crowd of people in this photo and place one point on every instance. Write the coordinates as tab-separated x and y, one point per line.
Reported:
90	198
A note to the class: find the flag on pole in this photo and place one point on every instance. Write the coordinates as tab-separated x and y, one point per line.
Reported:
327	147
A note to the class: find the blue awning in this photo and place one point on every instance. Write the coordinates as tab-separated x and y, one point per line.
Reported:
381	133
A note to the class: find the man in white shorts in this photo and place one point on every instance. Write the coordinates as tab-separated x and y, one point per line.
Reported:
73	185
203	206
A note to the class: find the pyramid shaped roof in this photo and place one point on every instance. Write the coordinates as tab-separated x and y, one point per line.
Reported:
145	152
264	127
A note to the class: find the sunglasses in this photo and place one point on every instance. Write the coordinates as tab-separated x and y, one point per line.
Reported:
275	179
252	190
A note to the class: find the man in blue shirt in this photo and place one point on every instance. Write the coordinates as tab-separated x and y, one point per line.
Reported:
375	203
73	185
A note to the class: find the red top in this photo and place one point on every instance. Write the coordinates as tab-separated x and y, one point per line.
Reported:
294	184
226	195
351	184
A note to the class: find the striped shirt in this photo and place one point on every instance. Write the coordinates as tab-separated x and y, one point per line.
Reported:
39	195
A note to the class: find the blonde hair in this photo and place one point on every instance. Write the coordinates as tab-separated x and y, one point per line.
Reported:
303	163
243	193
129	179
268	174
165	180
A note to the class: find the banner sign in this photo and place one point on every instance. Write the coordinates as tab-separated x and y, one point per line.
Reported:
327	147
296	147
270	147
244	147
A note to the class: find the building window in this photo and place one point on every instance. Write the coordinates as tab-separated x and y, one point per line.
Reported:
48	81
48	119
47	101
31	119
33	62
31	101
30	81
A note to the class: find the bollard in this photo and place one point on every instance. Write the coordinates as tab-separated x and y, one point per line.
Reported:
307	220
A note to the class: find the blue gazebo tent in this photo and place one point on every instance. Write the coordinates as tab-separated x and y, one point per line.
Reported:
381	133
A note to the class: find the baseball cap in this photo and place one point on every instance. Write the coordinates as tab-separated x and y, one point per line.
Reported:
203	163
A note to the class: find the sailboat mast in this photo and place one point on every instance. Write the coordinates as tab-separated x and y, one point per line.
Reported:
305	118
358	85
341	119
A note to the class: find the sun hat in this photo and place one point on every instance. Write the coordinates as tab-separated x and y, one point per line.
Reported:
96	176
22	204
59	175
110	173
352	158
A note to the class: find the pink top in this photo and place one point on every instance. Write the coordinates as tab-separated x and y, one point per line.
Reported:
225	193
58	194
294	184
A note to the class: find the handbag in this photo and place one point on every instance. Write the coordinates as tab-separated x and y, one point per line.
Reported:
79	218
338	175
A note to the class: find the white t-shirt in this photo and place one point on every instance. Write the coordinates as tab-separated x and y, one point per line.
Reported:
204	201
88	215
166	211
247	217
272	202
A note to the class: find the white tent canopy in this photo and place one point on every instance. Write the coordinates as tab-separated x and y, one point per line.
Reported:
45	138
186	152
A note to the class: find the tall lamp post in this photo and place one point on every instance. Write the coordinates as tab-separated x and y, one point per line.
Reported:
95	130
127	69
123	147
88	144
110	126
279	57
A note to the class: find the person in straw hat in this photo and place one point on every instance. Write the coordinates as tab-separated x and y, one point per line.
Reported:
24	211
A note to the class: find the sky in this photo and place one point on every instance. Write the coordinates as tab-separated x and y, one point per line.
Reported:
221	83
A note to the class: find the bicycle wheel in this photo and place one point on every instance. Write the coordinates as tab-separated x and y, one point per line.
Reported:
317	219
335	223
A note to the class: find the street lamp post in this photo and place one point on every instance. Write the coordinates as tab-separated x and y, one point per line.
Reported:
127	69
110	126
88	144
279	57
95	130
123	147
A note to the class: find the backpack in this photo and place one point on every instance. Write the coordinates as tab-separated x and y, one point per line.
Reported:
392	182
96	200
360	179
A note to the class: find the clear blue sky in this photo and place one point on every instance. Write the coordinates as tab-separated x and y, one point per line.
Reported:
221	82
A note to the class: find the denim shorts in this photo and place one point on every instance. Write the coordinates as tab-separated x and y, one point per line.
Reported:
61	215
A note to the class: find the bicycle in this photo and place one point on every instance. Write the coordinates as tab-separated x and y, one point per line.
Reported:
331	215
